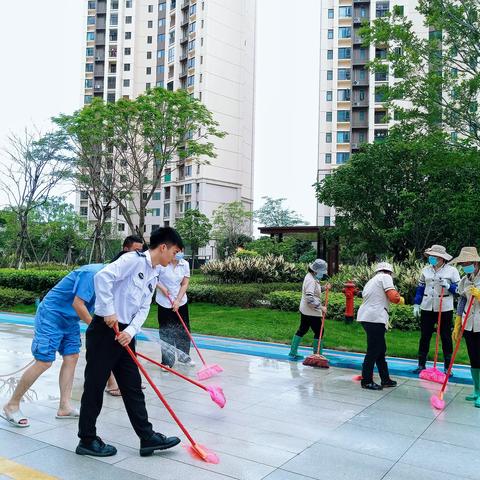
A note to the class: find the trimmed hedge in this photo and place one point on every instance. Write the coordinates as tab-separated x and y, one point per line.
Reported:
32	280
13	296
401	316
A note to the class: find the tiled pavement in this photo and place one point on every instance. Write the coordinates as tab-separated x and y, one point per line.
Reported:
282	421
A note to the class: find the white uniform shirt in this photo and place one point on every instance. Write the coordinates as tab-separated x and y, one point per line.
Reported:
375	305
171	278
125	287
311	301
473	322
431	279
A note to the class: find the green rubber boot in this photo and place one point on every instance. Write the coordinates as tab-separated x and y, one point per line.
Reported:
315	346
475	396
293	354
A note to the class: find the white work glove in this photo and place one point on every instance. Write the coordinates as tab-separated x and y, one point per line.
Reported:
416	311
444	283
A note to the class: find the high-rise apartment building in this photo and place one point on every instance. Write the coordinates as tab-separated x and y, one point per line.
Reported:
206	47
351	111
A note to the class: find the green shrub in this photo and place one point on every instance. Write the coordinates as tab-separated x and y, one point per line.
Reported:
13	296
246	254
401	316
254	270
39	281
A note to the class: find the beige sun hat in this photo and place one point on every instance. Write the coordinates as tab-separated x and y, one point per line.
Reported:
438	251
467	254
319	265
384	266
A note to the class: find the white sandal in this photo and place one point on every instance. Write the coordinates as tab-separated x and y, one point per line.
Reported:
15	418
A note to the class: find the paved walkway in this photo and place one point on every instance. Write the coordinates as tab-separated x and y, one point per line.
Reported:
282	421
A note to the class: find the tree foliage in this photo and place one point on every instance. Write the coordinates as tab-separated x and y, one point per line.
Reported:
406	193
273	214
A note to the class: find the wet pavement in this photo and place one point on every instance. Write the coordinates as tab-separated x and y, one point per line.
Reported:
282	421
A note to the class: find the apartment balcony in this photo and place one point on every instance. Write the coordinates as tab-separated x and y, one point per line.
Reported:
184	40
355	2
357	123
183	57
185	5
357	39
183	74
361	82
359	61
100	23
98	86
101	8
359	103
99	70
360	20
184	22
100	39
100	58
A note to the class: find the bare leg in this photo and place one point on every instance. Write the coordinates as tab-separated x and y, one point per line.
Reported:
112	383
28	379
65	380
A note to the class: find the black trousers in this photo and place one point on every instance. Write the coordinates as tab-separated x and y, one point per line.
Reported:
309	321
376	350
428	323
105	355
472	339
171	331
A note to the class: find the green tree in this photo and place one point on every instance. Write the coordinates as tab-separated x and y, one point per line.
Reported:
273	214
439	74
231	222
404	194
194	228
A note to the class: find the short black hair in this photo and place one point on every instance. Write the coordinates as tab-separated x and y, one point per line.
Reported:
131	239
167	235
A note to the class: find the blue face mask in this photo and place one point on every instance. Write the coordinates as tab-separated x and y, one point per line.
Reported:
179	255
432	260
468	268
320	275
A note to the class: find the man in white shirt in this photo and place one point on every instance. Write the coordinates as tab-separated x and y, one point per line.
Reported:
123	296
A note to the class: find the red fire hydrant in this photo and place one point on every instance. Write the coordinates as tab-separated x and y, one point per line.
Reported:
349	291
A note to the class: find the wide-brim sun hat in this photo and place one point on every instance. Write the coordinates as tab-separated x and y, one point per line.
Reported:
466	255
318	265
438	251
384	267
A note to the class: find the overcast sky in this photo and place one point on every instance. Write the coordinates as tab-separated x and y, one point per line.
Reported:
42	45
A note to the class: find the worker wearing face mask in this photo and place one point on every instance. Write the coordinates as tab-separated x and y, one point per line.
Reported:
311	308
437	275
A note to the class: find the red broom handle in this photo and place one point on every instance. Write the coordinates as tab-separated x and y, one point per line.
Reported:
457	345
324	314
168	369
438	328
157	391
188	333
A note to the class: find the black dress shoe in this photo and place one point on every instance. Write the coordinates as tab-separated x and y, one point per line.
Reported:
157	442
418	369
371	386
389	383
95	448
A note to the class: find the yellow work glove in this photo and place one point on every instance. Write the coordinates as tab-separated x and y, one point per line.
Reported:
456	328
475	292
402	301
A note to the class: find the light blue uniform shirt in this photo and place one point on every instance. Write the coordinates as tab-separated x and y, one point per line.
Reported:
78	283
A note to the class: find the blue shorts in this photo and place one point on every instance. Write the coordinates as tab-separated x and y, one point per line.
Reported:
54	333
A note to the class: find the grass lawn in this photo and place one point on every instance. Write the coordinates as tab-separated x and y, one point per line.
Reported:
277	326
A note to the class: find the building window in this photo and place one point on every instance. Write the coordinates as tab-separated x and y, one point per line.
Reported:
128	51
128	19
326	221
161	22
381	76
155	227
344	74
83	211
112	68
381	9
128	35
160	53
166	210
156	212
343	95
190	80
188	171
161	84
328	137
330	13
128	3
90	36
162	6
343	115
156	196
328	116
330	34
149	39
344	53
110	97
328	158
114	5
380	116
83	195
161	38
344	12
91	20
171	37
87	99
191	45
191	62
89	67
343	137
126	82
381	53
113	20
160	69
193	9
192	27
148	70
149	55
150	24
171	54
113	35
329	96
343	157
344	32
111	82
126	67
380	95
399	10
92	5
329	74
329	54
188	189
380	135
362	95
89	52
362	115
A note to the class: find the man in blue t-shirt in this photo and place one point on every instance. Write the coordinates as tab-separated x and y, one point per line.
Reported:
57	329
